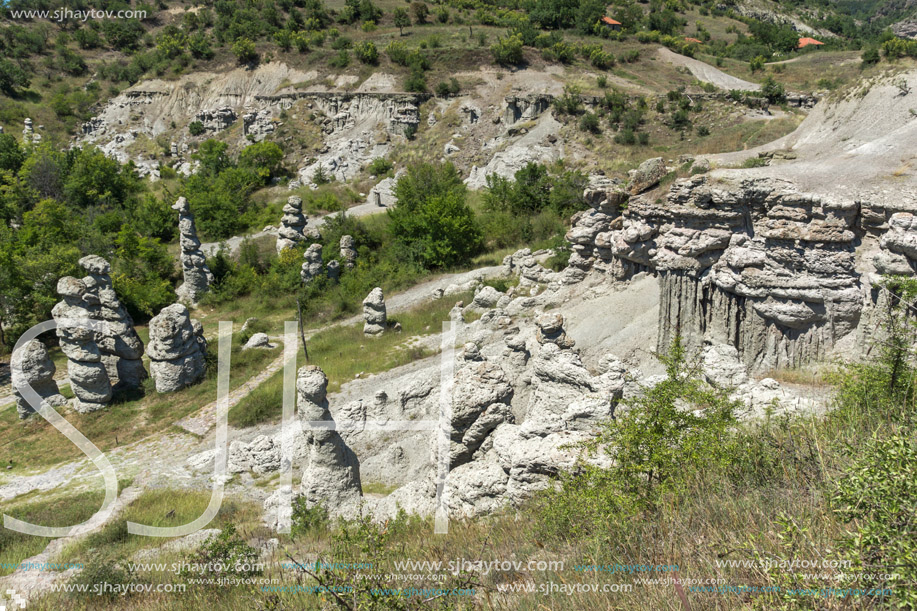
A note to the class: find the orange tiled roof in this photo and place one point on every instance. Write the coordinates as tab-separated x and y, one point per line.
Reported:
805	42
700	42
610	21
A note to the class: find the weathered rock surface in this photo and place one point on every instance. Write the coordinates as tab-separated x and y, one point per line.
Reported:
109	353
259	340
748	262
31	365
646	176
294	225
196	274
348	251
313	266
177	349
374	315
332	477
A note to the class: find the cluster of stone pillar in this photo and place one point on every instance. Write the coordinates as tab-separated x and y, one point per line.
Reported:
97	335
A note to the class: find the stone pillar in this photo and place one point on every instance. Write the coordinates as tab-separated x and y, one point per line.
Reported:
374	315
313	265
332	477
177	349
193	263
89	379
120	346
348	251
293	225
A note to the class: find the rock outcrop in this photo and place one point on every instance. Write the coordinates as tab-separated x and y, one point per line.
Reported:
526	107
480	403
294	225
197	275
374	315
177	349
31	365
313	266
332	476
752	263
217	119
348	251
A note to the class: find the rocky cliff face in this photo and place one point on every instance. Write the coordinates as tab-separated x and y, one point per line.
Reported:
780	274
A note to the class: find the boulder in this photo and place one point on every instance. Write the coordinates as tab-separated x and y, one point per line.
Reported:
646	176
31	365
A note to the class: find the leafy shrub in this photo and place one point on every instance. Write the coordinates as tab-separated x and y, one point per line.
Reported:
226	554
772	90
431	221
341	60
366	52
379	166
589	122
507	51
877	496
196	128
447	88
244	50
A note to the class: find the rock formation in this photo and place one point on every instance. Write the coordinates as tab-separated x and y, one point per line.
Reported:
313	266
646	176
480	403
332	476
177	349
31	365
293	225
118	343
550	329
193	263
752	263
259	340
374	316
333	269
348	251
89	379
216	120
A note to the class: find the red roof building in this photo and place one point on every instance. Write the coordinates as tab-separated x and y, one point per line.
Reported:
700	42
611	23
805	42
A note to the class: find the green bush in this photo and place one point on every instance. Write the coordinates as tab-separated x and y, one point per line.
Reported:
589	122
379	166
447	88
244	50
431	222
196	128
366	52
507	51
682	424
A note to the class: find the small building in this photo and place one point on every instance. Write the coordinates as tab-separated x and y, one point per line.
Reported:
610	23
806	41
694	40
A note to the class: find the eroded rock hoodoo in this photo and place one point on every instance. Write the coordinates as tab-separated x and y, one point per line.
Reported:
31	365
97	336
312	267
294	225
332	476
193	263
374	315
177	349
348	251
